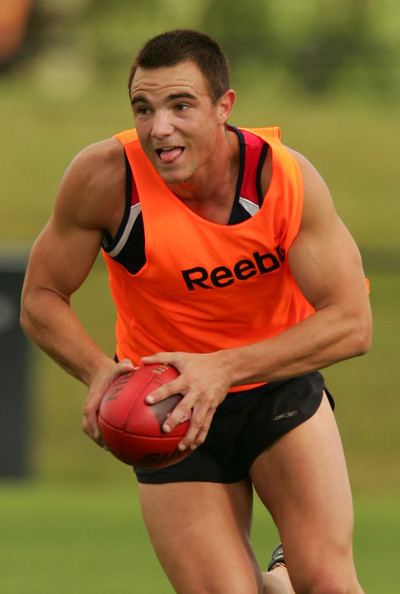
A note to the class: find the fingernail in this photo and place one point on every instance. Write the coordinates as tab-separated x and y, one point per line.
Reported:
149	399
182	447
166	428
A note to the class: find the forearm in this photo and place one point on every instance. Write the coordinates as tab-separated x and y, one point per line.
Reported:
324	338
49	322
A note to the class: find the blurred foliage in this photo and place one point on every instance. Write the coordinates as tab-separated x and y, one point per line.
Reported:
318	45
246	33
335	42
315	47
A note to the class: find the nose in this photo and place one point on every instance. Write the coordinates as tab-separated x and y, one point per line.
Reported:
161	125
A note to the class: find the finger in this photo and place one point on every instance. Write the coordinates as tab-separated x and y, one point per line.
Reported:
89	425
90	412
164	358
198	428
181	413
199	422
98	390
92	430
202	435
164	391
95	395
123	366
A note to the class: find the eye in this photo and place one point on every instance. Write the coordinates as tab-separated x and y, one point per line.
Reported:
181	107
142	110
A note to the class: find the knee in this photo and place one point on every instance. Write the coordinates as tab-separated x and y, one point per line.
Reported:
329	583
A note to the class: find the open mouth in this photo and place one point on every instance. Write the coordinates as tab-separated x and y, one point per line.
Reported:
170	153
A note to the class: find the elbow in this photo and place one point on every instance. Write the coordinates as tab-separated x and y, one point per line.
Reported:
361	335
25	323
26	316
362	343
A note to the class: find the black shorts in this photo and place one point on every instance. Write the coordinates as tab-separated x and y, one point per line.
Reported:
245	424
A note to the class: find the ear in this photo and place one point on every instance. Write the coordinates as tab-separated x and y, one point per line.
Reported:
225	106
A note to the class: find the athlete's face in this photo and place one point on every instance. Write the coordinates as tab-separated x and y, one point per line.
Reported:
178	125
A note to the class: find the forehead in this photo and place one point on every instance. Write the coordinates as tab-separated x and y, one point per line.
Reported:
185	76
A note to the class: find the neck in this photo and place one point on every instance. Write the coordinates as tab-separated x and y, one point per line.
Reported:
215	181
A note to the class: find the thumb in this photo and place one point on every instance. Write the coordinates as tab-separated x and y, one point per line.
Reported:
124	366
163	358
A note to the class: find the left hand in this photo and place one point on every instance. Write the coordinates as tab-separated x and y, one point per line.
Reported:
204	381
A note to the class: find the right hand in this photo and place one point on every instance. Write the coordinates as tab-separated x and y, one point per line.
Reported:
97	388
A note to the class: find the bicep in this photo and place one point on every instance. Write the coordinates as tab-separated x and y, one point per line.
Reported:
62	257
324	258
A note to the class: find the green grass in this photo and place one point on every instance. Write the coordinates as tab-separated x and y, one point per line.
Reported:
70	539
73	539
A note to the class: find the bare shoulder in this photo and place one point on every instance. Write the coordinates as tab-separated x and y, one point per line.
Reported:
93	186
106	155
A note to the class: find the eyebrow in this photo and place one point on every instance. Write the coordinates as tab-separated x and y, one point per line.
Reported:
172	97
138	99
175	96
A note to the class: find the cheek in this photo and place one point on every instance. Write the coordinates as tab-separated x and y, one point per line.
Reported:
207	140
143	135
143	128
145	140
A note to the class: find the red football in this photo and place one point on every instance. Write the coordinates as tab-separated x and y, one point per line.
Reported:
132	429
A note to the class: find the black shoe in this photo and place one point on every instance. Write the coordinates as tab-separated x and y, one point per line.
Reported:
277	558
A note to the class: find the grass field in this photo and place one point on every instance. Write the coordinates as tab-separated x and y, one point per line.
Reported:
73	539
75	528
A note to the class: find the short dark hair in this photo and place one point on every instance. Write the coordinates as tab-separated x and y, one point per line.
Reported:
181	45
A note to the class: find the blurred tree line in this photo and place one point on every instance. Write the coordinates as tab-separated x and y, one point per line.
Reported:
316	45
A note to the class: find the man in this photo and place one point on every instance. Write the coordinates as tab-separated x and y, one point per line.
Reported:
227	260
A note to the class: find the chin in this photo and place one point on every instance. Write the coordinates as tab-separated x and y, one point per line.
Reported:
173	177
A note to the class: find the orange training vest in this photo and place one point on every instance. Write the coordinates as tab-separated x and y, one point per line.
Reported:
207	286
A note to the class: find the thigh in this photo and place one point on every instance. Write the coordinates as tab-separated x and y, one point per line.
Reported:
200	533
302	480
